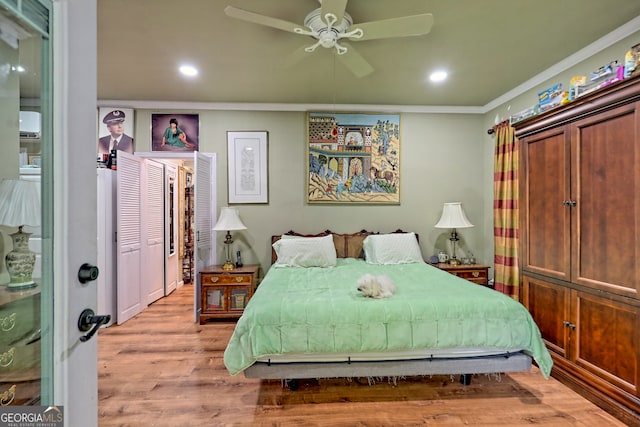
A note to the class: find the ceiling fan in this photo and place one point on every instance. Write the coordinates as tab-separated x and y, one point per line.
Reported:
330	24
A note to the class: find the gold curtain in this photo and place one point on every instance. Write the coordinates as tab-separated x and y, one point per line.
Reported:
505	211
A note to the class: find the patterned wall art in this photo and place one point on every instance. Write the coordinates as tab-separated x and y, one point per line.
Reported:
247	166
353	158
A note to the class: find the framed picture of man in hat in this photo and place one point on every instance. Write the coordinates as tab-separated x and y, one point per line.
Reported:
115	130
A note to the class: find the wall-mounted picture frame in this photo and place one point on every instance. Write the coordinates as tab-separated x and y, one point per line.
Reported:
247	166
175	132
353	158
115	130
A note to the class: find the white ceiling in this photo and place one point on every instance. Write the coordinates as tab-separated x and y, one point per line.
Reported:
488	46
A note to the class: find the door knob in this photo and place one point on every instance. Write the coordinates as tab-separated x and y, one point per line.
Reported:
88	318
87	273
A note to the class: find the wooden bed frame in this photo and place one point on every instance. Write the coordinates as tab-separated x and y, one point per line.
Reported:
350	246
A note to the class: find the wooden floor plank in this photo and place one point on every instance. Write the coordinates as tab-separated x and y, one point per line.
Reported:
162	369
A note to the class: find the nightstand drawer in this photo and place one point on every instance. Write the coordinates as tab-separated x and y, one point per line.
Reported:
472	275
227	279
475	273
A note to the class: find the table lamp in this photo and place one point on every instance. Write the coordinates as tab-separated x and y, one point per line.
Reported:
229	220
453	217
20	206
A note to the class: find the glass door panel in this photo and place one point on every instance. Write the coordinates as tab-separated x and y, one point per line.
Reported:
25	346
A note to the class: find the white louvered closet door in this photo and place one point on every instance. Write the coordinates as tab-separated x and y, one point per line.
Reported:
152	221
130	295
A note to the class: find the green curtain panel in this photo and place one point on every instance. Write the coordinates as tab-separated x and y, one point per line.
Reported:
505	211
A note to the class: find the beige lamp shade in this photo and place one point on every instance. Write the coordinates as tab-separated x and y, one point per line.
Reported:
229	220
453	217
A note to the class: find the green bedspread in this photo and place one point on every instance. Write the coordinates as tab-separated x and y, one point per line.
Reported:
320	310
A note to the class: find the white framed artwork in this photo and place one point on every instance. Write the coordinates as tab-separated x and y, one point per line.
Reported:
247	166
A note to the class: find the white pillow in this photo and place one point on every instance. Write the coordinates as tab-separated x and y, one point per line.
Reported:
305	252
393	248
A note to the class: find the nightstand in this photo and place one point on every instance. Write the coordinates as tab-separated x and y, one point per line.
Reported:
224	293
476	273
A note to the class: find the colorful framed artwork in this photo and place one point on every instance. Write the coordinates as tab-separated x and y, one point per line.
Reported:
115	130
247	166
175	132
353	158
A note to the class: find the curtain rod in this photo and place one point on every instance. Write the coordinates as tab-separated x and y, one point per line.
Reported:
492	130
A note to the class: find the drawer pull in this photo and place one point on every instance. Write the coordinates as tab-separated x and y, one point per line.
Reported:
7	323
6	358
7	397
475	274
239	279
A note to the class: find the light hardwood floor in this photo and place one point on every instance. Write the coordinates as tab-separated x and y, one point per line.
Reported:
162	369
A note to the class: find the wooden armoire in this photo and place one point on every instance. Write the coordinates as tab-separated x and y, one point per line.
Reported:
580	241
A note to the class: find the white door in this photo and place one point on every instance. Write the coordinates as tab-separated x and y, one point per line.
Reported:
171	228
131	297
205	217
152	222
69	212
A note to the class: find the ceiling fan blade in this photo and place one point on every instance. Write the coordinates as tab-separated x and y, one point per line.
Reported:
414	25
355	62
295	57
256	18
336	7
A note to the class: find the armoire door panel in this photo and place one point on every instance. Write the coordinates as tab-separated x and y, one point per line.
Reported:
607	339
605	176
547	225
549	305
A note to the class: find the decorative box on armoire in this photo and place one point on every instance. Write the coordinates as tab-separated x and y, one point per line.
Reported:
580	241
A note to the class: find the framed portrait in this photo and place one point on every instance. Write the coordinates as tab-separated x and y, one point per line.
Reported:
353	158
175	132
115	130
247	164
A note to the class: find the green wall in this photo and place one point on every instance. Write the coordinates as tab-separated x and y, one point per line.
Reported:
440	162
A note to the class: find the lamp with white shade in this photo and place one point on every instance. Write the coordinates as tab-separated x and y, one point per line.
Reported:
453	217
229	220
20	206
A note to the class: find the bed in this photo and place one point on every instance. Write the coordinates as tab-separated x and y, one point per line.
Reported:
307	318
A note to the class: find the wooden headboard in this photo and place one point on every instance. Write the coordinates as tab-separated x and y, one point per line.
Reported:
347	245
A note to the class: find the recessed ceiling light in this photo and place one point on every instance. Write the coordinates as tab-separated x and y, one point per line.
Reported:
188	70
438	76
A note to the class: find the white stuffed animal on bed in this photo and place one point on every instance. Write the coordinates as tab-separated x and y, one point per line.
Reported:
376	286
